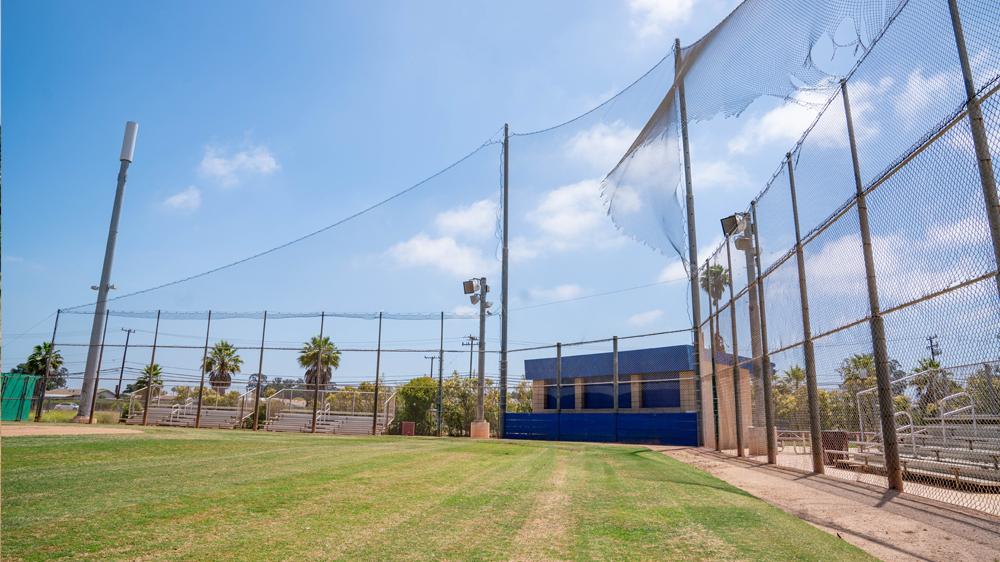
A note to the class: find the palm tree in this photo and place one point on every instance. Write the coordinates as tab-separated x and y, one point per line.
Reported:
932	384
327	352
220	364
714	281
794	376
152	373
40	355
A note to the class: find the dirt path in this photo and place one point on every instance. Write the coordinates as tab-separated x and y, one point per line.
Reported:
33	429
544	533
887	525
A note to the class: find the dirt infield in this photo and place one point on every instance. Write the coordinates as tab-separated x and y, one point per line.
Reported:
889	526
35	429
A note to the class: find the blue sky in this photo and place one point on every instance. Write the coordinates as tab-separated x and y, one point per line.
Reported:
262	121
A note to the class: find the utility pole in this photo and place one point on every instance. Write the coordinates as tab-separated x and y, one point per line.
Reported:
121	372
481	428
933	347
432	358
471	344
90	372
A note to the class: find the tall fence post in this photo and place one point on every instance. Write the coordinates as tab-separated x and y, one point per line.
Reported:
737	398
48	366
319	370
558	378
692	232
504	284
149	375
812	390
260	375
713	336
204	358
772	448
614	369
979	140
440	400
378	366
883	383
97	373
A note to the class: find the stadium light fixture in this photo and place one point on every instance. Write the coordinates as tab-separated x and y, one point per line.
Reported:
470	286
733	223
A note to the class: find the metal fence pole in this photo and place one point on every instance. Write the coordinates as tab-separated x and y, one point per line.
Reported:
149	377
812	390
319	369
48	365
201	385
772	448
504	284
713	335
558	378
737	398
614	369
260	375
97	373
883	384
979	139
692	232
378	366
440	400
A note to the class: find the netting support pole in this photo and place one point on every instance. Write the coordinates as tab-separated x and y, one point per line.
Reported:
378	367
692	233
808	352
260	375
504	282
90	370
204	358
440	400
737	396
713	335
97	374
883	383
48	366
558	378
979	139
319	371
149	375
772	448
614	369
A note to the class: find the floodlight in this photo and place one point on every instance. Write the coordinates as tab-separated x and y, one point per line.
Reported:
474	298
743	243
730	224
469	286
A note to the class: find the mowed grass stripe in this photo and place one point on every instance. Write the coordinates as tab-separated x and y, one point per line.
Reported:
225	495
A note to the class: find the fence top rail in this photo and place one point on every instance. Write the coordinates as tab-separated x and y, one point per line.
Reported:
259	315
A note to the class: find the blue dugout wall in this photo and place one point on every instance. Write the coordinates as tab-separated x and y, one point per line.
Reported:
651	429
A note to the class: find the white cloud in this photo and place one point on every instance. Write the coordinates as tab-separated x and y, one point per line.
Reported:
719	174
675	270
557	293
444	253
231	169
466	310
784	124
603	145
651	17
474	221
644	318
187	200
921	91
572	217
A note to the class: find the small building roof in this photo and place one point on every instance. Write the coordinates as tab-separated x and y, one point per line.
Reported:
670	359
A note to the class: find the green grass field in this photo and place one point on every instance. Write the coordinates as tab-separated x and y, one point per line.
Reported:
225	495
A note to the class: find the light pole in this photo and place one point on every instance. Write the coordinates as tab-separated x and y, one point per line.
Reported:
121	372
480	427
90	372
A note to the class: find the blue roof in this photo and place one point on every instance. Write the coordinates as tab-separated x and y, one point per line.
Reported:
634	362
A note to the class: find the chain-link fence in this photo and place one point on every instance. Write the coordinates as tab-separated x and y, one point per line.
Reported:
853	313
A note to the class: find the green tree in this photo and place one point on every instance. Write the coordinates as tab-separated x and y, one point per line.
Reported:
931	383
323	349
713	281
35	365
221	363
416	401
152	372
460	395
519	399
984	388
